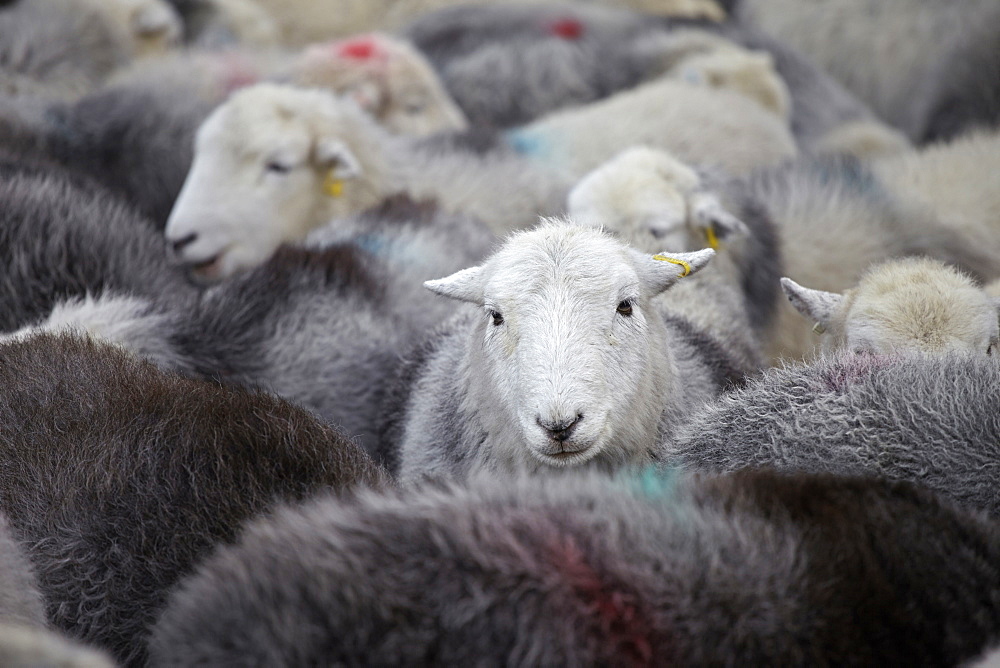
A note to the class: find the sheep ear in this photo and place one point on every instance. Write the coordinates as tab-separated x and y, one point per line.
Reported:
713	220
465	285
659	272
815	305
333	156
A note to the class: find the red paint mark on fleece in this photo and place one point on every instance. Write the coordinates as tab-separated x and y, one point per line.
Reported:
617	619
361	48
566	29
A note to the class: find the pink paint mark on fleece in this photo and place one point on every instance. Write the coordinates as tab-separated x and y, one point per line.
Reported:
568	28
617	619
359	48
850	367
237	72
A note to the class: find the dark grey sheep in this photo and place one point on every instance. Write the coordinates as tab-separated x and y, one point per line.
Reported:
755	569
63	237
928	420
118	477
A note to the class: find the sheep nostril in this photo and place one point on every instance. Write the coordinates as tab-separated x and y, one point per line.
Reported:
560	430
179	244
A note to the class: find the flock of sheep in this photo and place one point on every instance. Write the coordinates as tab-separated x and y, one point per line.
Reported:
471	332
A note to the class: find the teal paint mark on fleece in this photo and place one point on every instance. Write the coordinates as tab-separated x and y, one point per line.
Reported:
530	143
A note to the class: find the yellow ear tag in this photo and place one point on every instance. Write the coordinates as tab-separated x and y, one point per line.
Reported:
713	241
332	186
664	258
818	329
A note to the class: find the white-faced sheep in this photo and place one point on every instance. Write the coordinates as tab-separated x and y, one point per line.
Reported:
931	421
63	238
652	200
754	568
884	51
387	77
303	158
118	477
564	361
914	304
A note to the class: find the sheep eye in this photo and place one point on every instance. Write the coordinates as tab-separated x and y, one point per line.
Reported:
278	168
625	307
497	318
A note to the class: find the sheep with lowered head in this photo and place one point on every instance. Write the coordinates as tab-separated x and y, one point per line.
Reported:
276	162
118	477
755	568
652	200
913	304
564	360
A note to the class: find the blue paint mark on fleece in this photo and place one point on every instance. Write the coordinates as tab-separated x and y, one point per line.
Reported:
532	143
654	483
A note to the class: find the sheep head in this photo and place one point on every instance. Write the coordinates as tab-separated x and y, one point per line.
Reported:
910	305
271	164
388	78
652	200
569	358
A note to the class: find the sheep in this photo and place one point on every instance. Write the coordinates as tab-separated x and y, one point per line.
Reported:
153	25
652	200
713	127
21	603
118	477
755	568
62	237
915	304
930	420
34	647
305	158
566	362
886	59
388	78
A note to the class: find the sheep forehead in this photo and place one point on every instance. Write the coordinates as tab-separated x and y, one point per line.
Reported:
927	316
261	119
583	260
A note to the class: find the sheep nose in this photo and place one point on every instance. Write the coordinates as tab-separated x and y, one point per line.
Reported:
179	244
560	430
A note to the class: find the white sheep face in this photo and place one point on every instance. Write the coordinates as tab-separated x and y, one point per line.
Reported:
569	358
270	165
912	305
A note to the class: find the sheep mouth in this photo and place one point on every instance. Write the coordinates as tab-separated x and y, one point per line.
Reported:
561	458
207	269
